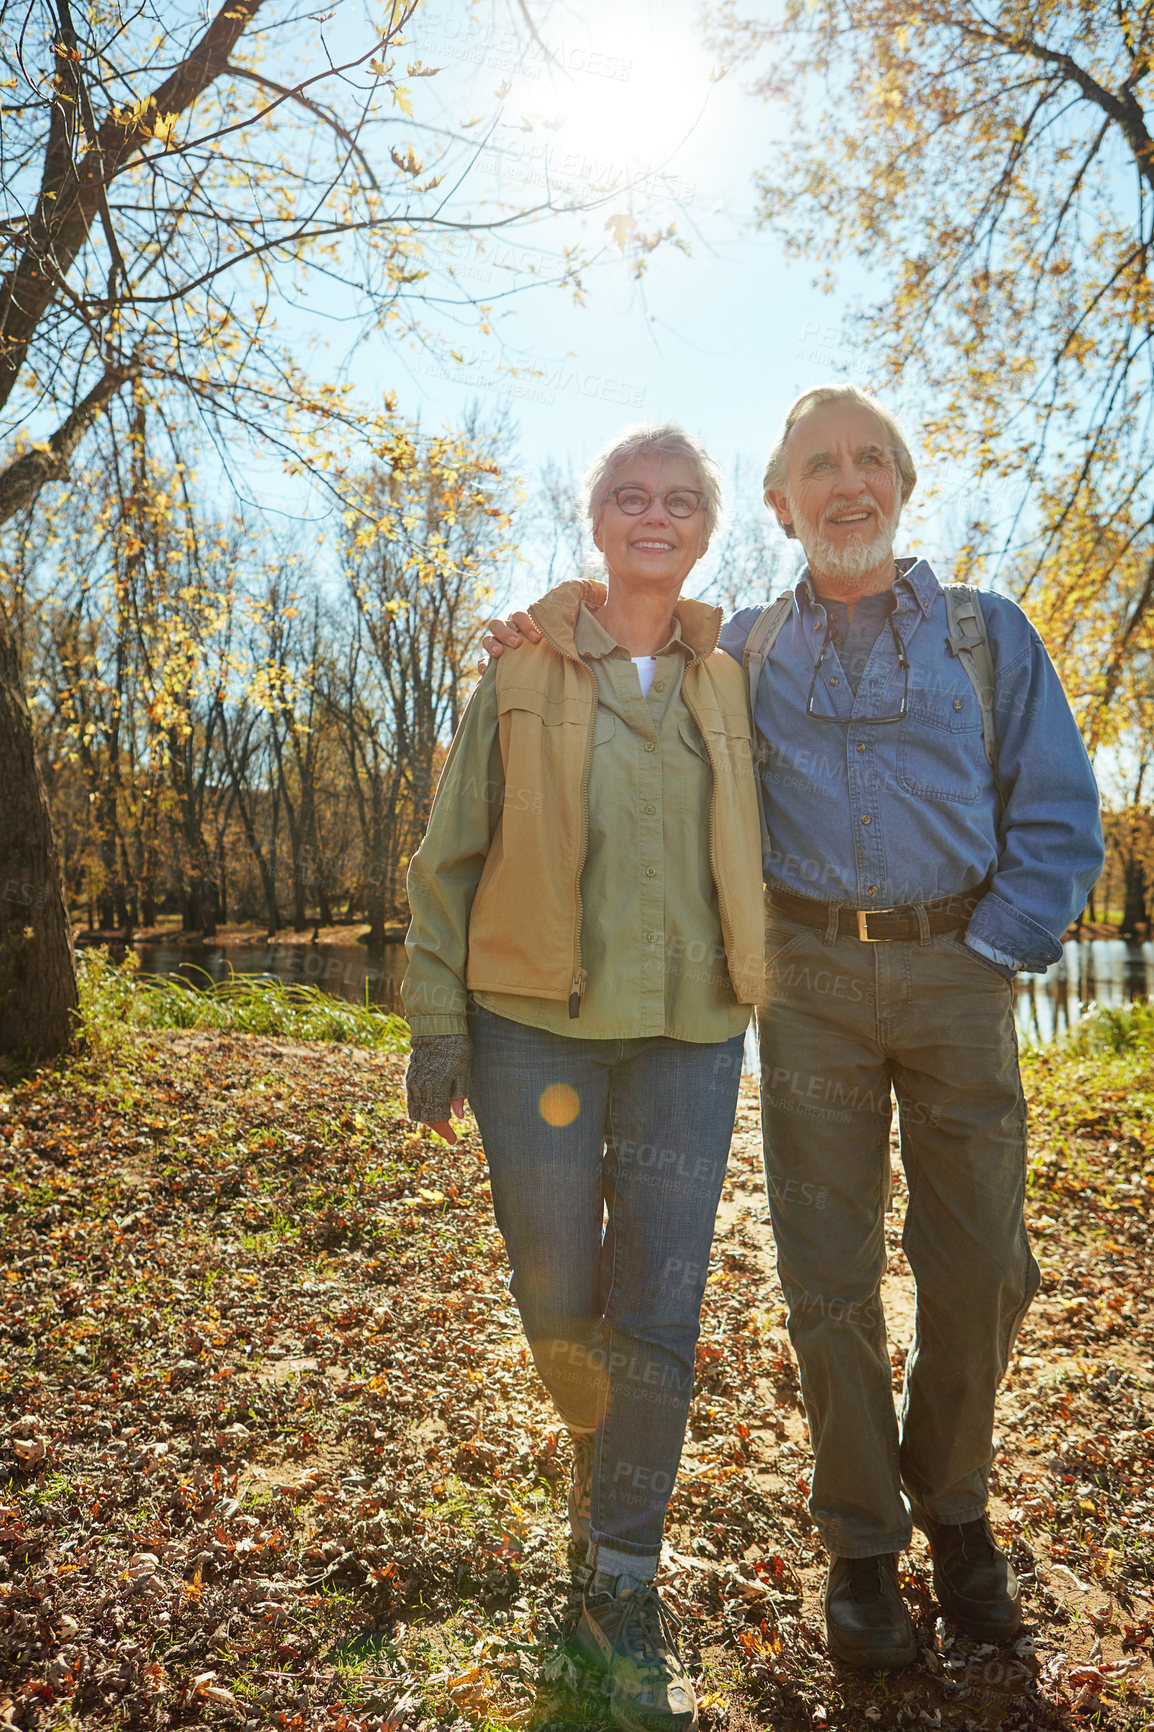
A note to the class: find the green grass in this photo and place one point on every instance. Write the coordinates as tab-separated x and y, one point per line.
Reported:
115	997
1125	1029
279	1228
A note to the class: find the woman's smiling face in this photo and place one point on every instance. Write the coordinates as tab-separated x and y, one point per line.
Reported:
654	548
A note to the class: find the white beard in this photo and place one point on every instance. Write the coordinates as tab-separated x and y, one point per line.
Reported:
846	564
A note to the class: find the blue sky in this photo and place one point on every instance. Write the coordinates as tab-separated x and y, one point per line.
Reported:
624	112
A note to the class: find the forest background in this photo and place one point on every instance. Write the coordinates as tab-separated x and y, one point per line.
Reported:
310	321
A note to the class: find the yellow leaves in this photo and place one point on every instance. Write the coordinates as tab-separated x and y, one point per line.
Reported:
142	120
622	228
472	1691
402	99
408	163
1079	347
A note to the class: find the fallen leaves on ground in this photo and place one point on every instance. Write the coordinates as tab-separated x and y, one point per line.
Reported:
273	1453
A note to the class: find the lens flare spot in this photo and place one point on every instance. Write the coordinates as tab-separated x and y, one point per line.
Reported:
559	1105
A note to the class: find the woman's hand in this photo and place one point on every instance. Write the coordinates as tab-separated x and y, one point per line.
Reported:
444	1128
437	1081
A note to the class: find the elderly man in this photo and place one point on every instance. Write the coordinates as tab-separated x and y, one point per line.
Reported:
907	881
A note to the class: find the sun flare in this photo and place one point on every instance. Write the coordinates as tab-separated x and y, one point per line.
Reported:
620	108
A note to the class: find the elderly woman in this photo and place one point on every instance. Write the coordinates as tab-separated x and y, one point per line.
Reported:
586	944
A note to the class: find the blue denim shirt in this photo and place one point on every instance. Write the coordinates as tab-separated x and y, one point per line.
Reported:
883	813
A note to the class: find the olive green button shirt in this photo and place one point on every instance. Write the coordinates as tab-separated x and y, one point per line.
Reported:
651	939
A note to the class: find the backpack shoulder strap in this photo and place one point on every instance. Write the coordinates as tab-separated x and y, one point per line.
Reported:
762	638
758	644
970	643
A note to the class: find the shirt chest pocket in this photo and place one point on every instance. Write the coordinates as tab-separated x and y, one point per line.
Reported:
605	727
941	754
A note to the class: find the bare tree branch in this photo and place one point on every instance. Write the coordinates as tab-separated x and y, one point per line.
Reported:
23	478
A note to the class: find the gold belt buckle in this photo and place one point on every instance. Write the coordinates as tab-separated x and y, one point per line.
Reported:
863	915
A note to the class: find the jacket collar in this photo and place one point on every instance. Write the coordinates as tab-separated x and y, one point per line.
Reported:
556	617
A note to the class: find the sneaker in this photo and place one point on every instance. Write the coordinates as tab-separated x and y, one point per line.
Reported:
581	1492
866	1622
975	1580
625	1636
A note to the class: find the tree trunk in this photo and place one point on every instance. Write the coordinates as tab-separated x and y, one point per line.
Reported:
300	917
375	912
37	967
199	899
222	882
1135	911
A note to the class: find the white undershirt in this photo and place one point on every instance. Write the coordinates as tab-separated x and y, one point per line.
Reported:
646	668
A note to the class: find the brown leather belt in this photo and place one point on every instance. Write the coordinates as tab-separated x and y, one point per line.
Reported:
877	925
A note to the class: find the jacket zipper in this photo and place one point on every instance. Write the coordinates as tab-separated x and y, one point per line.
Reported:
726	923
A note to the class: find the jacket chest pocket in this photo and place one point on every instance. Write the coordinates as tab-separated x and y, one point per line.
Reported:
941	754
543	745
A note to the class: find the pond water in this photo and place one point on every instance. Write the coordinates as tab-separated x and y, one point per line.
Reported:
1102	970
1098	971
345	970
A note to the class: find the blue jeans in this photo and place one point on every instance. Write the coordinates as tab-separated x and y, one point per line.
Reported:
606	1159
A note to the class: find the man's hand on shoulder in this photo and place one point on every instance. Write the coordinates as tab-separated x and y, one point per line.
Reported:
506	634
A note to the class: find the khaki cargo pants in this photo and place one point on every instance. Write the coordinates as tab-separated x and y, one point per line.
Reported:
847	1021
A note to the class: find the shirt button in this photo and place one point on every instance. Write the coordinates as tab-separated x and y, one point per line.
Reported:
817	625
659	685
865	817
651	871
957	703
834	681
649	810
861	745
649	746
873	889
651	938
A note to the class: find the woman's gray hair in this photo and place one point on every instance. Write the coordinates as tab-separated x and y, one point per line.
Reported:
776	469
668	440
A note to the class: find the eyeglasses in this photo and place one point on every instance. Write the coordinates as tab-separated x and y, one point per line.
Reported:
903	663
681	502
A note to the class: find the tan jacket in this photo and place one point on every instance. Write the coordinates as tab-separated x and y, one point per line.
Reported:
524	926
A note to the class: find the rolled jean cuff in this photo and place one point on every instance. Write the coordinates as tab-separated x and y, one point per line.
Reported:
614	1560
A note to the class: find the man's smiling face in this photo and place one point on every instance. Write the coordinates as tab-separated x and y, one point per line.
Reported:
843	493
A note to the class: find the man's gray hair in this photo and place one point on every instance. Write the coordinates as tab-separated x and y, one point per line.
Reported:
668	440
776	468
